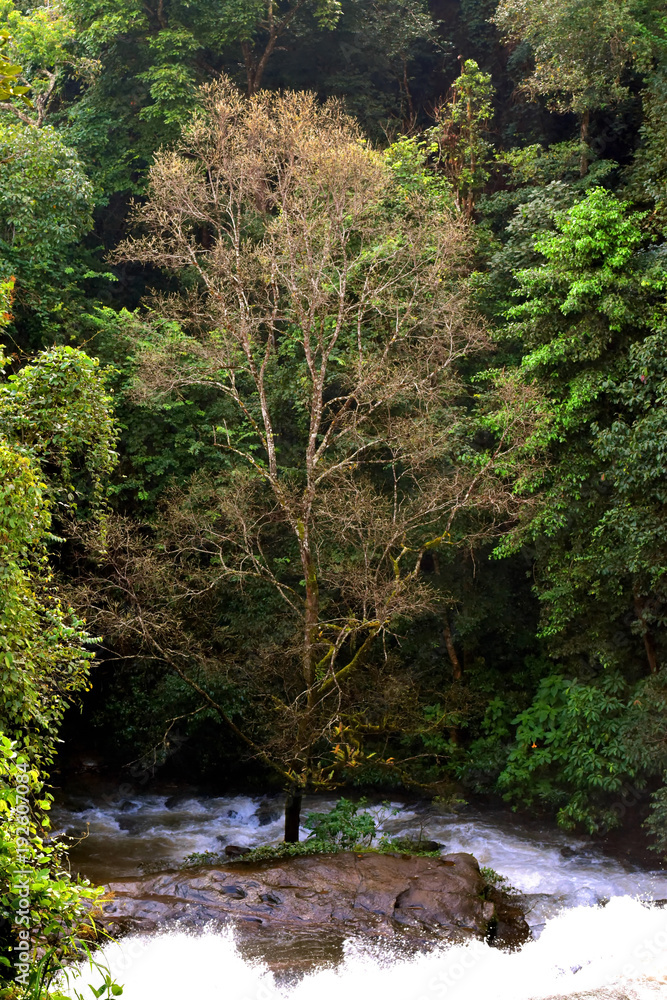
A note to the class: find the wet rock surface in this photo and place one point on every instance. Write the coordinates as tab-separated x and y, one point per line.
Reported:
350	893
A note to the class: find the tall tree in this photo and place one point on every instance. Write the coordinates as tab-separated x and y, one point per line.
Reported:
45	210
462	134
326	307
582	50
54	417
592	320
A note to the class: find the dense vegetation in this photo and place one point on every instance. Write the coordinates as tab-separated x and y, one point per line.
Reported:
334	393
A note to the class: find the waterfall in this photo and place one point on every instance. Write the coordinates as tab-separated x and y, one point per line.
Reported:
612	952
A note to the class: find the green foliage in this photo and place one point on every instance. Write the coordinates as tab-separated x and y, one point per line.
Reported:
46	203
582	47
163	443
492	877
46	414
630	537
657	821
10	73
595	292
42	662
594	289
588	321
45	209
348	827
303	848
584	292
344	825
461	136
117	127
170	77
267	852
32	867
108	989
647	175
570	752
42	41
539	183
407	159
59	411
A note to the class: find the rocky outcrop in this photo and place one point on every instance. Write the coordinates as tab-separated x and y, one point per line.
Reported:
356	893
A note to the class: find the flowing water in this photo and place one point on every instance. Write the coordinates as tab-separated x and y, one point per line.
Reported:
598	925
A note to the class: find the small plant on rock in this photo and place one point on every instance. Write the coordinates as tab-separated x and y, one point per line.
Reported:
344	826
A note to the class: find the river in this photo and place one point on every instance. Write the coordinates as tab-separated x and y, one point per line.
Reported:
597	924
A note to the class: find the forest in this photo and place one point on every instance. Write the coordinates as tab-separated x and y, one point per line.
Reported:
334	386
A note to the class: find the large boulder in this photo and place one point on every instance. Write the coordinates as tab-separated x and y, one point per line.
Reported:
356	893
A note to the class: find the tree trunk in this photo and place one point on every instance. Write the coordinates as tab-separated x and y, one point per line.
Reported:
647	635
311	610
408	95
585	126
292	815
651	654
250	67
255	67
457	674
457	671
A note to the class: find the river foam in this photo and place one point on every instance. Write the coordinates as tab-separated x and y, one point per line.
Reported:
612	952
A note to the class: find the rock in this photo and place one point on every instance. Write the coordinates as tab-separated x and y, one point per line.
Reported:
268	812
508	927
233	891
347	893
270	897
90	764
413	845
176	801
232	851
76	804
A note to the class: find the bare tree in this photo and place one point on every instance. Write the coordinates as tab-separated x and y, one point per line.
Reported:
327	305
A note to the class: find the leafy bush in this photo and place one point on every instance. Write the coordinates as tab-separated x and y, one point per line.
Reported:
494	880
570	752
343	826
44	911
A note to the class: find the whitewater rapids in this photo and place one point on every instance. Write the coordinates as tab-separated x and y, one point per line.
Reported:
615	951
596	934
